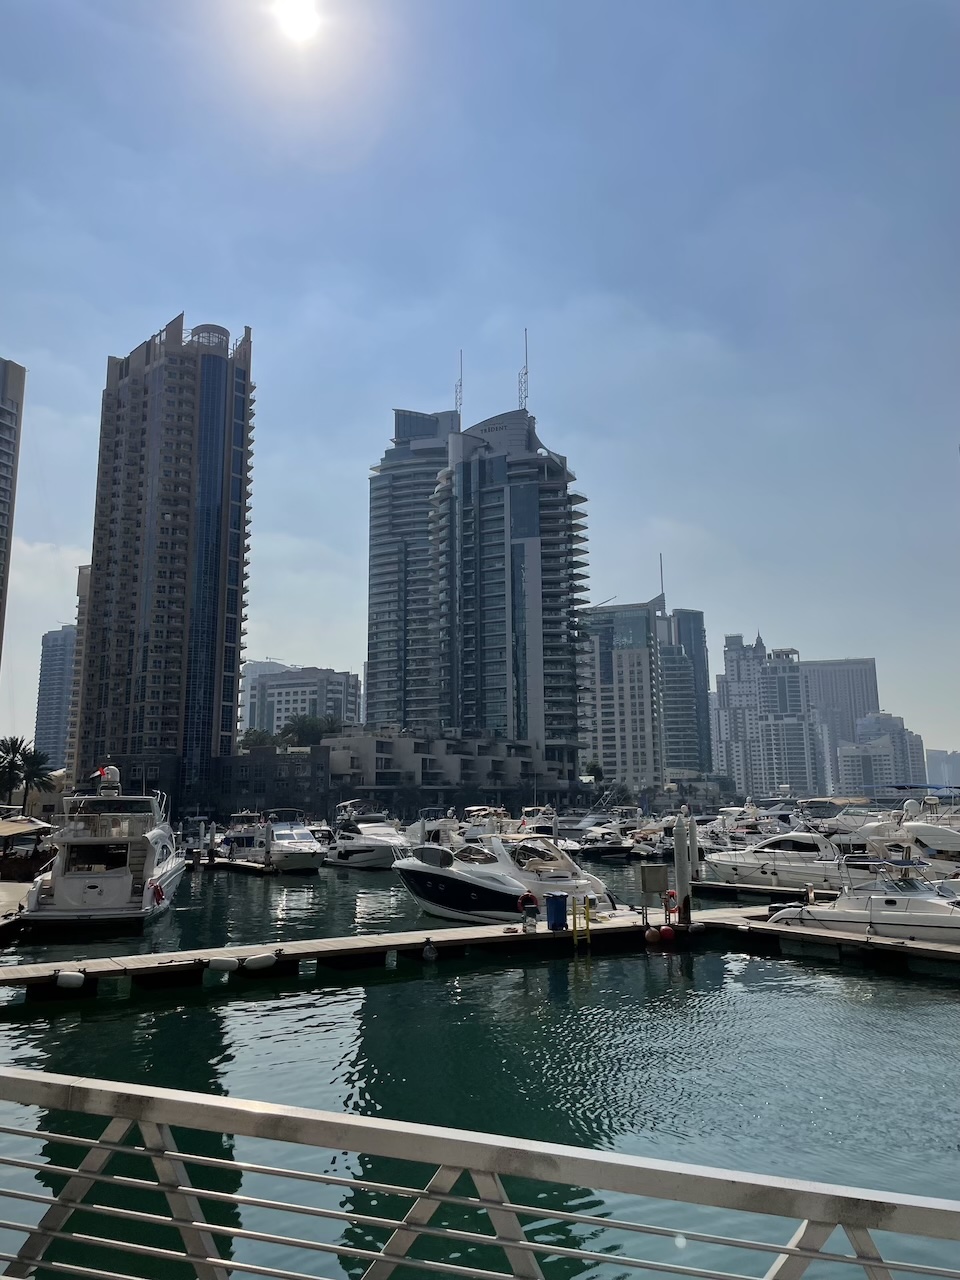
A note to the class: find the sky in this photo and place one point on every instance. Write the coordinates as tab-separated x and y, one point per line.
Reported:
730	230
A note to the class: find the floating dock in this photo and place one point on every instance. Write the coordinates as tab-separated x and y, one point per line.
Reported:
322	959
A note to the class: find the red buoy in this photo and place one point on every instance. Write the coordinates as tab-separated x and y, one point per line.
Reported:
667	933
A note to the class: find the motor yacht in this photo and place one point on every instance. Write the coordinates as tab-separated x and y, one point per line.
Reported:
898	901
117	864
365	840
291	847
245	838
799	858
435	825
485	879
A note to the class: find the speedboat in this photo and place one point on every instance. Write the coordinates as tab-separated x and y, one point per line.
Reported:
486	878
365	840
897	902
117	864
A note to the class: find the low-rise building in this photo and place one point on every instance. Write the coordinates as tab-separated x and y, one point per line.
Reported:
266	778
405	772
273	698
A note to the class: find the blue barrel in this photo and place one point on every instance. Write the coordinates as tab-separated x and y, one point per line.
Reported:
556	911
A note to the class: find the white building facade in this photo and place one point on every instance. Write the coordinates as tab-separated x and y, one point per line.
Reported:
767	737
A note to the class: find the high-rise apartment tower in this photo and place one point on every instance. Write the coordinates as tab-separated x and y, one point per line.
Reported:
13	380
402	624
53	695
168	578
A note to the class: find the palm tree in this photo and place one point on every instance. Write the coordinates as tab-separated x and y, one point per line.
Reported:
35	774
305	731
258	738
11	764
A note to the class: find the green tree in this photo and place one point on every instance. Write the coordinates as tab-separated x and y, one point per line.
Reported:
593	768
36	775
11	764
258	738
306	731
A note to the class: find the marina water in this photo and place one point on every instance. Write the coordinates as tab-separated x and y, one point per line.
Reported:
766	1065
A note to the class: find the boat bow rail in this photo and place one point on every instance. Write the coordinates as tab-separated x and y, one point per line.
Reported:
458	1203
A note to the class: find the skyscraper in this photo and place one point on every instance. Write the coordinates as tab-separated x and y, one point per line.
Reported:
168	577
909	761
402	625
509	565
943	768
621	701
767	735
53	695
689	632
475	571
841	691
73	714
644	715
13	380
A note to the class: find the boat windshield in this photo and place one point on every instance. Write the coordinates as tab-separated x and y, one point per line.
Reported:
537	850
115	804
474	854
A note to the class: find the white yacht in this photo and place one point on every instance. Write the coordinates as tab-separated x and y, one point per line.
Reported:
485	879
117	864
365	840
897	902
792	860
292	847
245	838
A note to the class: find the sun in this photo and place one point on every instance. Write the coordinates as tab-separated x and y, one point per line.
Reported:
297	19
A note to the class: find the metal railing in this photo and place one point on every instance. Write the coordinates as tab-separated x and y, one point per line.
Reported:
190	1184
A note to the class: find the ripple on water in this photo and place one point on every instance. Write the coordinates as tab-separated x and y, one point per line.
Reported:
730	1060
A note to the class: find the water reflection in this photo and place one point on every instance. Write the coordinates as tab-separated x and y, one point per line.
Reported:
725	1060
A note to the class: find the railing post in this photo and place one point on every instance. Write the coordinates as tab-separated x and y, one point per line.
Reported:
418	1215
172	1175
867	1253
507	1226
809	1235
35	1246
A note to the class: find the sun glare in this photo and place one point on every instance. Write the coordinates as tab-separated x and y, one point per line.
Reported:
297	19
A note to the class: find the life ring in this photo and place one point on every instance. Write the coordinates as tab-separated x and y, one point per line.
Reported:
527	899
158	894
670	901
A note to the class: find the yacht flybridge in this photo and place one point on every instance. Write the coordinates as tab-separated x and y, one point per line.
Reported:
486	878
117	864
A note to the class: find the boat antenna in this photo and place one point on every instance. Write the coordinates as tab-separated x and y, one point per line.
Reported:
522	381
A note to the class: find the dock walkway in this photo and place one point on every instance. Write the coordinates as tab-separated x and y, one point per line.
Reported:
738	928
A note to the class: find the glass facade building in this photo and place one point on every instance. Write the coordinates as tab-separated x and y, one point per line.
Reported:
53	695
168	576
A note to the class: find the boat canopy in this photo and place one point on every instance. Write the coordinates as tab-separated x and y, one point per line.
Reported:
22	827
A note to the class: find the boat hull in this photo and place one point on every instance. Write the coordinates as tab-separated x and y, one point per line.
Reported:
914	926
364	857
456	898
125	921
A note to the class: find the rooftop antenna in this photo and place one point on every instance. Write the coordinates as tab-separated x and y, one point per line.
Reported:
661	573
458	389
524	372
